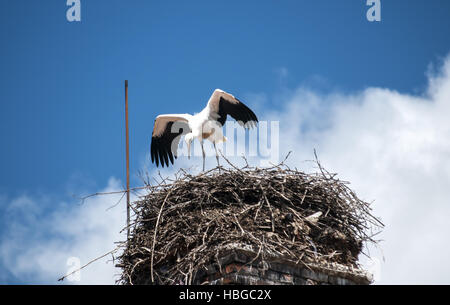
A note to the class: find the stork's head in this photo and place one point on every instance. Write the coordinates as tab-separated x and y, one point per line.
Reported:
189	138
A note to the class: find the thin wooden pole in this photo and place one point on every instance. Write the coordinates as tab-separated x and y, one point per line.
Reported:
128	159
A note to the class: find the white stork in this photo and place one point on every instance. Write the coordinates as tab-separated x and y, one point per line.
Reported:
206	124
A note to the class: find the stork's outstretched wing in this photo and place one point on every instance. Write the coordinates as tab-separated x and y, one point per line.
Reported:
222	104
166	135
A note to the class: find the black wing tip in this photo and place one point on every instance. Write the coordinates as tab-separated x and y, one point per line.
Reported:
250	116
152	152
170	158
160	154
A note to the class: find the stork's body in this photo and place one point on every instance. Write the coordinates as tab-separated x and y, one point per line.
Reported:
206	124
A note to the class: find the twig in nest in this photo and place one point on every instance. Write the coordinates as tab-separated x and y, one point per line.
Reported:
154	235
83	198
84	266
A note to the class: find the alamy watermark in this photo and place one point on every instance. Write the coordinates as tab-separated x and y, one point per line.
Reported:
73	273
74	11
374	12
262	142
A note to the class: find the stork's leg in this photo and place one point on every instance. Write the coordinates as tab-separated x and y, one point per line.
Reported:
217	155
203	153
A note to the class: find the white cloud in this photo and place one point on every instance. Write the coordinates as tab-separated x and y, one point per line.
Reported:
36	245
394	148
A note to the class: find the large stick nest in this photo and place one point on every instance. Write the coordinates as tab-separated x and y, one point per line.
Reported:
183	224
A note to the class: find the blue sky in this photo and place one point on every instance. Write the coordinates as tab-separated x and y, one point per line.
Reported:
62	91
62	83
